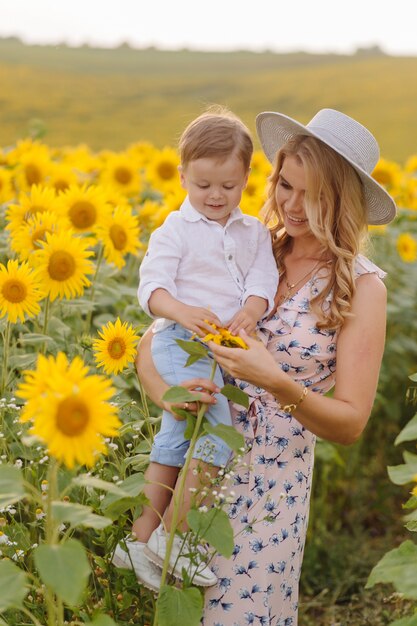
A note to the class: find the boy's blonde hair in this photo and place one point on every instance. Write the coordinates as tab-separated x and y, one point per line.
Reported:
336	210
216	133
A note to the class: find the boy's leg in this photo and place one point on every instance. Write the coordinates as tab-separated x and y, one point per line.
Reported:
160	484
198	478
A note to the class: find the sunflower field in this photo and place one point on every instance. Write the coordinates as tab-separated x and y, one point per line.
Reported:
76	427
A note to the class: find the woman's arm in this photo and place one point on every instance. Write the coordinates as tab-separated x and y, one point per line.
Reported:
360	347
154	384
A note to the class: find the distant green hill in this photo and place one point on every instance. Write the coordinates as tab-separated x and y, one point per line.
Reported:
109	98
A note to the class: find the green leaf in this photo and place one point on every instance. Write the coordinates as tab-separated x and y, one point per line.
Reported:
36	339
405	621
402	474
102	620
193	348
399	567
179	606
11	485
215	527
189	429
411	503
131	487
180	394
229	434
78	515
63	568
12	584
83	480
236	395
409	432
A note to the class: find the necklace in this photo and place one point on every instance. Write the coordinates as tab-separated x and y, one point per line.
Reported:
291	286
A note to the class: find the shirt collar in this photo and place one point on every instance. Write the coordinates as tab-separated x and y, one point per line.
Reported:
190	214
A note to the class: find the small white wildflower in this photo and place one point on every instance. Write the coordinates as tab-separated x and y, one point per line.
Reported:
115	478
113	446
203	509
192	489
129	445
4	539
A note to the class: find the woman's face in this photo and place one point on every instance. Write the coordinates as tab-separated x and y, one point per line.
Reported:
290	196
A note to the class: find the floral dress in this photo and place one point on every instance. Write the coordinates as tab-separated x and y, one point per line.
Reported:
259	584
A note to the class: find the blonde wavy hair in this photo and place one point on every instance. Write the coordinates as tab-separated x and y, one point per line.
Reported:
336	209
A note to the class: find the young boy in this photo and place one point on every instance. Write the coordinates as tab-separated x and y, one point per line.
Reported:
208	263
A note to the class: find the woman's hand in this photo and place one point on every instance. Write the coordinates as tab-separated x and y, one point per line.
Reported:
255	365
203	387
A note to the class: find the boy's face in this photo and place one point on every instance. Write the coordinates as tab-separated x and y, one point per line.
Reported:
215	186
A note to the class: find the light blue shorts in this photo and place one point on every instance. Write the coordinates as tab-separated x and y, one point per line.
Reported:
170	446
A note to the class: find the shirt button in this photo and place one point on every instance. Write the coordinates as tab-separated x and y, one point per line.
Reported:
230	257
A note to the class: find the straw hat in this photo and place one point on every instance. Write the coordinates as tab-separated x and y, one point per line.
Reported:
343	134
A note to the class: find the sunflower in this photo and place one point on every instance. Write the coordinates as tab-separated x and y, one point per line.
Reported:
32	166
82	160
38	200
6	187
73	414
260	164
407	248
116	348
61	177
122	172
142	152
224	337
162	172
84	206
63	264
120	235
28	237
20	291
388	174
36	383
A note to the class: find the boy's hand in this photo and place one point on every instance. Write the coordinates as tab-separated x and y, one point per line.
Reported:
244	319
197	319
248	316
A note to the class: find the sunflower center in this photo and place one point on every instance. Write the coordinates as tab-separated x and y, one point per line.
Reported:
61	265
118	236
116	348
38	236
167	170
83	214
123	175
61	185
32	173
72	416
14	290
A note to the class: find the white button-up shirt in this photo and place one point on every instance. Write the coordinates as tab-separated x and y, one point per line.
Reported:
202	263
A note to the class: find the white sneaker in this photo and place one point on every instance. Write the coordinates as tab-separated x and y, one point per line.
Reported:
146	572
180	558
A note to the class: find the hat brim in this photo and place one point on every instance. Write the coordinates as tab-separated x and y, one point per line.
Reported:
276	129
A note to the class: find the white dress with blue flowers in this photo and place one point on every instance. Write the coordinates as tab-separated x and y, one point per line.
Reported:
258	585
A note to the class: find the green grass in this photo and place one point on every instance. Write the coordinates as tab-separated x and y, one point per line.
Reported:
109	98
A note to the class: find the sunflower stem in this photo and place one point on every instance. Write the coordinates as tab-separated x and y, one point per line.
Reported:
93	289
54	605
6	348
178	494
45	321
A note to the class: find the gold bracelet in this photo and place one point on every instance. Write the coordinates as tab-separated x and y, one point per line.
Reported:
289	408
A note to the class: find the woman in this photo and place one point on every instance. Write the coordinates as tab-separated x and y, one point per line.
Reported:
330	299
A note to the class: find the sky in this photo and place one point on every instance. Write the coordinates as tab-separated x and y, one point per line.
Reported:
339	26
